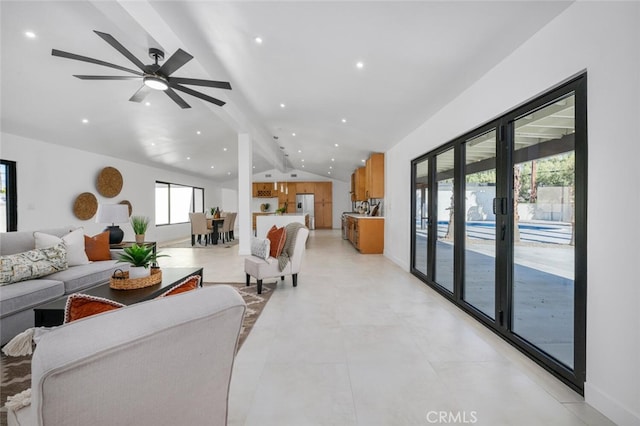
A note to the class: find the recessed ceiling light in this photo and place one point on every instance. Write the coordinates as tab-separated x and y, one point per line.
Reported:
293	134
224	149
336	145
328	173
213	167
153	144
254	167
30	34
147	103
302	160
331	167
258	40
85	121
360	65
344	120
198	132
363	160
282	105
303	166
299	151
228	173
333	159
188	158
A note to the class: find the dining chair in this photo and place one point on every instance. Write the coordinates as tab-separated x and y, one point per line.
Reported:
233	225
199	227
226	226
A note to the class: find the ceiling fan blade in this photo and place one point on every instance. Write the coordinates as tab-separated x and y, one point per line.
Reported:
197	94
140	94
197	82
106	77
178	59
68	55
177	99
120	48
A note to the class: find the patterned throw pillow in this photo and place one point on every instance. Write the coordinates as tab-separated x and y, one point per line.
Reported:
277	236
97	247
32	264
83	305
73	242
189	284
260	247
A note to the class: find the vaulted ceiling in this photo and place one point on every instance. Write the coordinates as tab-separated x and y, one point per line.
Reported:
299	92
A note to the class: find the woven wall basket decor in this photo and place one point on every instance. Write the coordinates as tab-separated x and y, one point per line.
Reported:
85	206
109	182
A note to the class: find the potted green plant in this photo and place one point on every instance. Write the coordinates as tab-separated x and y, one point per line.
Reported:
140	257
139	225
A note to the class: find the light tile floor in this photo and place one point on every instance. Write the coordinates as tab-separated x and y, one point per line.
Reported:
362	342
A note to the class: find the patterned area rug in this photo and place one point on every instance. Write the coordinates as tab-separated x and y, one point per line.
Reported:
16	371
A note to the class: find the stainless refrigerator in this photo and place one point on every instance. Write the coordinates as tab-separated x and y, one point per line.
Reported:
304	205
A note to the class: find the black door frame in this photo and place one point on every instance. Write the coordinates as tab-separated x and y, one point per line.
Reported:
502	324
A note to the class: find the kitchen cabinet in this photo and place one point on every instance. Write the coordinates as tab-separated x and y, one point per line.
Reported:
305	187
323	205
374	176
323	192
359	184
264	190
291	197
366	234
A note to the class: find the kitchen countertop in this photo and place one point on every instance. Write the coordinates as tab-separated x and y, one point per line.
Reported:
363	216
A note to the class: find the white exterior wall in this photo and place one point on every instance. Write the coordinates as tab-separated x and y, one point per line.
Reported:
50	177
604	39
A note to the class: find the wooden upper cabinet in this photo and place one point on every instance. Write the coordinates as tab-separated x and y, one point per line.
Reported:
264	190
324	192
374	176
291	196
360	178
305	187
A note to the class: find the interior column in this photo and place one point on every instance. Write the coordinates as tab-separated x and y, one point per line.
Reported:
245	177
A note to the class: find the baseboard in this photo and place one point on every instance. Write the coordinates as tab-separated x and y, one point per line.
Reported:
404	265
602	402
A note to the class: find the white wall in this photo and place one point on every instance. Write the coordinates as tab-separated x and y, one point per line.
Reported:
603	38
50	177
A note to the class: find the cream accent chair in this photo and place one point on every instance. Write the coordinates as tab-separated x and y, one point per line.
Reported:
162	362
199	227
261	269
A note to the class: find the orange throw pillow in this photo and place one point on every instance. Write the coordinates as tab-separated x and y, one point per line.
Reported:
190	283
277	236
97	247
82	305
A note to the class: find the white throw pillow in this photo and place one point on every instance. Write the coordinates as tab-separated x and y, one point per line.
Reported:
260	247
73	242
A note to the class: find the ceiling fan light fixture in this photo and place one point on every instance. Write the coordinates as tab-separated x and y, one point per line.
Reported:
155	82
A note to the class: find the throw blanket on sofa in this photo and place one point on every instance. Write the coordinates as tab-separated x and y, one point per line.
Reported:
289	243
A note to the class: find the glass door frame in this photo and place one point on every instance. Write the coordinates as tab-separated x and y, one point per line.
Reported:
502	324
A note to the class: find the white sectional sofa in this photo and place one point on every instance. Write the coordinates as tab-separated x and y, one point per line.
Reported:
17	300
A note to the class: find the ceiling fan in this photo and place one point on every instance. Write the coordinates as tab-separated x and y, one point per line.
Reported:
154	76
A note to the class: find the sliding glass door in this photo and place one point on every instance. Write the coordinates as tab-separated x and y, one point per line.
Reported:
479	288
443	217
499	226
543	222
